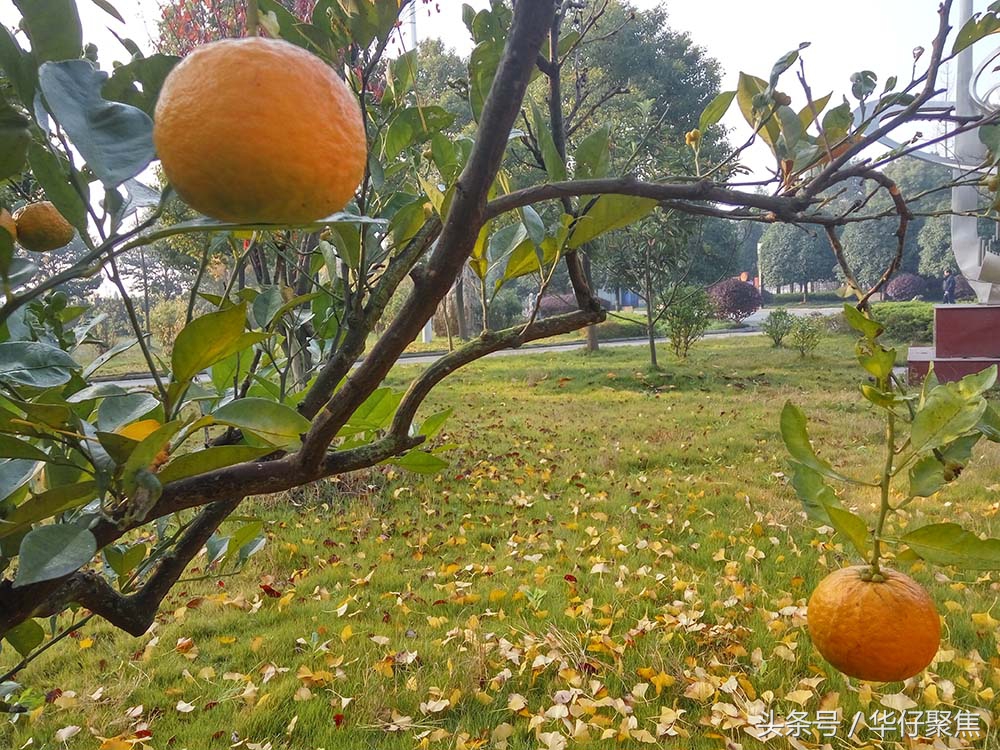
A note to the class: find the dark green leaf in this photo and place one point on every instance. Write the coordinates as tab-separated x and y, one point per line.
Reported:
950	544
420	462
53	27
851	526
11	447
784	63
109	9
52	173
796	438
555	165
138	83
52	552
716	110
943	417
35	364
210	459
25	637
926	477
118	411
115	139
14	140
47	504
975	29
414	125
275	423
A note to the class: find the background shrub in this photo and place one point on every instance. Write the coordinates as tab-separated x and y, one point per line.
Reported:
777	325
166	319
734	299
906	322
795	298
905	286
806	333
687	319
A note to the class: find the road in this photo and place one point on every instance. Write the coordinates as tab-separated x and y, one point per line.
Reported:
415	358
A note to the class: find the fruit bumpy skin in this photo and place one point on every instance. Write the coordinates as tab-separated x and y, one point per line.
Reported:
7	222
41	228
259	130
881	631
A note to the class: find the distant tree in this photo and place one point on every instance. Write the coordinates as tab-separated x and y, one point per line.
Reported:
184	24
790	255
934	243
443	79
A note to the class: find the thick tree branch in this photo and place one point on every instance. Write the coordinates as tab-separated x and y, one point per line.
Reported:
458	234
487	343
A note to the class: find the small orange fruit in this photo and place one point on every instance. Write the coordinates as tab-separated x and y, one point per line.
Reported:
880	630
7	223
41	228
259	130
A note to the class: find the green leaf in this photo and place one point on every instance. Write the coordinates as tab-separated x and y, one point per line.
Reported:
138	83
796	438
555	165
861	323
402	73
989	424
14	474
210	339
25	637
52	173
47	504
34	364
420	462
876	359
593	155
14	140
851	526
926	477
943	417
608	212
477	259
975	29
716	110
816	495
837	122
20	67
747	90
375	412
109	9
115	139
11	447
414	125
784	62
433	424
53	27
483	63
950	544
53	551
244	536
524	259
145	453
210	459
118	411
275	423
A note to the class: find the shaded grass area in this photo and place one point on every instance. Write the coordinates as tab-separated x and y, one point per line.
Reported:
612	556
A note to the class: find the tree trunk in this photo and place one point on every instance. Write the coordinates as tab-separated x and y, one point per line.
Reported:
650	332
463	321
592	343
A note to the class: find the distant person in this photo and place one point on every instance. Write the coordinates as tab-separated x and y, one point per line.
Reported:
948	287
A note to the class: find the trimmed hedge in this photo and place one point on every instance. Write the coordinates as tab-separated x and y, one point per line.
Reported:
734	299
906	322
905	286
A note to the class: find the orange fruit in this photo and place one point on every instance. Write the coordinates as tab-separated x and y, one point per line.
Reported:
7	223
259	130
41	228
883	631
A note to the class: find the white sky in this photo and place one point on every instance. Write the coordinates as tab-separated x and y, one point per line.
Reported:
846	36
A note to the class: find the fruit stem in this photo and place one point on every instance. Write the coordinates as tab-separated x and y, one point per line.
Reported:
253	18
890	452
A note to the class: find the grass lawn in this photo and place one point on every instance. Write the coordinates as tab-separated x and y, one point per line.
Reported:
613	556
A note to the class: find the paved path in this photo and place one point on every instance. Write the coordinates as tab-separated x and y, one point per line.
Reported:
425	358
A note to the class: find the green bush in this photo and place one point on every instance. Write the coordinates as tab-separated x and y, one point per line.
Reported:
906	322
777	325
806	333
795	298
166	319
687	319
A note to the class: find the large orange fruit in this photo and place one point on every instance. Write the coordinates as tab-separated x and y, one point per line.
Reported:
7	223
259	130
880	630
41	228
